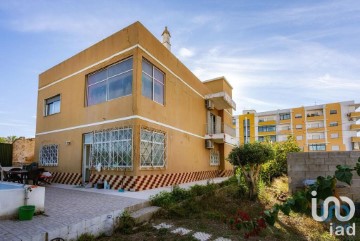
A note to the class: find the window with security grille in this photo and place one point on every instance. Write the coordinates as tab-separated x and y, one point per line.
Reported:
112	148
214	158
152	148
49	155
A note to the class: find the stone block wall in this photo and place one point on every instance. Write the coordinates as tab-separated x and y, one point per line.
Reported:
310	165
23	151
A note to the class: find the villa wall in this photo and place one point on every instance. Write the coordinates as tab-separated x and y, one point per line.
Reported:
310	165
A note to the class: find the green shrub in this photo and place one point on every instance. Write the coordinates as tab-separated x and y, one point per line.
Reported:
126	223
163	199
86	237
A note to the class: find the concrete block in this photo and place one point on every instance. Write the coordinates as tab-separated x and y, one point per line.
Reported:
339	154
335	161
296	161
332	168
355	183
351	161
315	161
355	154
145	214
73	236
314	174
316	168
297	168
54	234
356	197
316	155
295	155
92	221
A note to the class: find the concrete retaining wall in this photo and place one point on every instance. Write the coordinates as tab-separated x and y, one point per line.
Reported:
310	165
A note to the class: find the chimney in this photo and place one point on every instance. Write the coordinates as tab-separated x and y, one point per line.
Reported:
166	39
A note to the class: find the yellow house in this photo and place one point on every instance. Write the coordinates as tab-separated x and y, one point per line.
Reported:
126	110
328	127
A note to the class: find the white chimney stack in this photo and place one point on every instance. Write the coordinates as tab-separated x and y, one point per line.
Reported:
166	39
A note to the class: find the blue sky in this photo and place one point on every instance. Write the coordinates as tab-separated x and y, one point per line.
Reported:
276	54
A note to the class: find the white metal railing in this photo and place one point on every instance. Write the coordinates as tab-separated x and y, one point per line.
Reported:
215	128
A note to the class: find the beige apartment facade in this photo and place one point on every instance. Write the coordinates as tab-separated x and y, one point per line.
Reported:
127	111
327	127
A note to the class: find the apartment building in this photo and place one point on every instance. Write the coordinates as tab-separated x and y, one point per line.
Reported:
127	111
328	127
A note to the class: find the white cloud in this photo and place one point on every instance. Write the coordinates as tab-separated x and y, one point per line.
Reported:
185	52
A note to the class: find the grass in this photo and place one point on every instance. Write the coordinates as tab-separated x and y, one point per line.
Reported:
209	209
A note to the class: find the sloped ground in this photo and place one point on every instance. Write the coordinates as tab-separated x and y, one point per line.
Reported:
211	211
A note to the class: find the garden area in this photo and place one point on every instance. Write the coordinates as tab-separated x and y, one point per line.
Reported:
254	204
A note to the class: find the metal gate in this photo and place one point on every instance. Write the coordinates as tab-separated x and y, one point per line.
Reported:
6	154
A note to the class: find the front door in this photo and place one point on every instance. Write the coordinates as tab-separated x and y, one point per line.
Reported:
88	140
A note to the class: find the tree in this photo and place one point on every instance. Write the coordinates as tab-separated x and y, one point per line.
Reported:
8	139
249	157
278	166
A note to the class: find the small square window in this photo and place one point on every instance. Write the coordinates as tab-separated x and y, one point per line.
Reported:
298	126
333	124
299	138
333	112
298	116
52	105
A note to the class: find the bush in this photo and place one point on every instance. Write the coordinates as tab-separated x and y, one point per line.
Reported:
126	223
86	237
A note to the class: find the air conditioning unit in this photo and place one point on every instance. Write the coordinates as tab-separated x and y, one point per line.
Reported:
209	104
209	144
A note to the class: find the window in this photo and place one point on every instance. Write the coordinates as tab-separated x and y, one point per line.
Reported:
153	82
298	126
335	148
52	105
49	155
112	148
110	83
298	116
334	135
266	128
214	158
333	112
317	147
299	138
333	124
152	148
285	116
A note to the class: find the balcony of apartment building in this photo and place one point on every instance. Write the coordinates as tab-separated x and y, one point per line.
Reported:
284	130
267	130
220	132
268	120
355	140
220	101
355	127
316	138
315	127
285	118
315	115
354	116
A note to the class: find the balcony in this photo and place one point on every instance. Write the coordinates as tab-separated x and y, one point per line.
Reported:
221	100
221	134
314	116
354	116
266	122
355	127
355	139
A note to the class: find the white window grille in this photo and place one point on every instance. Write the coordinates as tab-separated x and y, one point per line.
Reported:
214	158
49	155
152	148
112	148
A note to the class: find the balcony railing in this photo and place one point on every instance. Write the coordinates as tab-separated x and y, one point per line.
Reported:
222	133
354	115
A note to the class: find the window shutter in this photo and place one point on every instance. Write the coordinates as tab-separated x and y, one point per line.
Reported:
208	124
218	124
